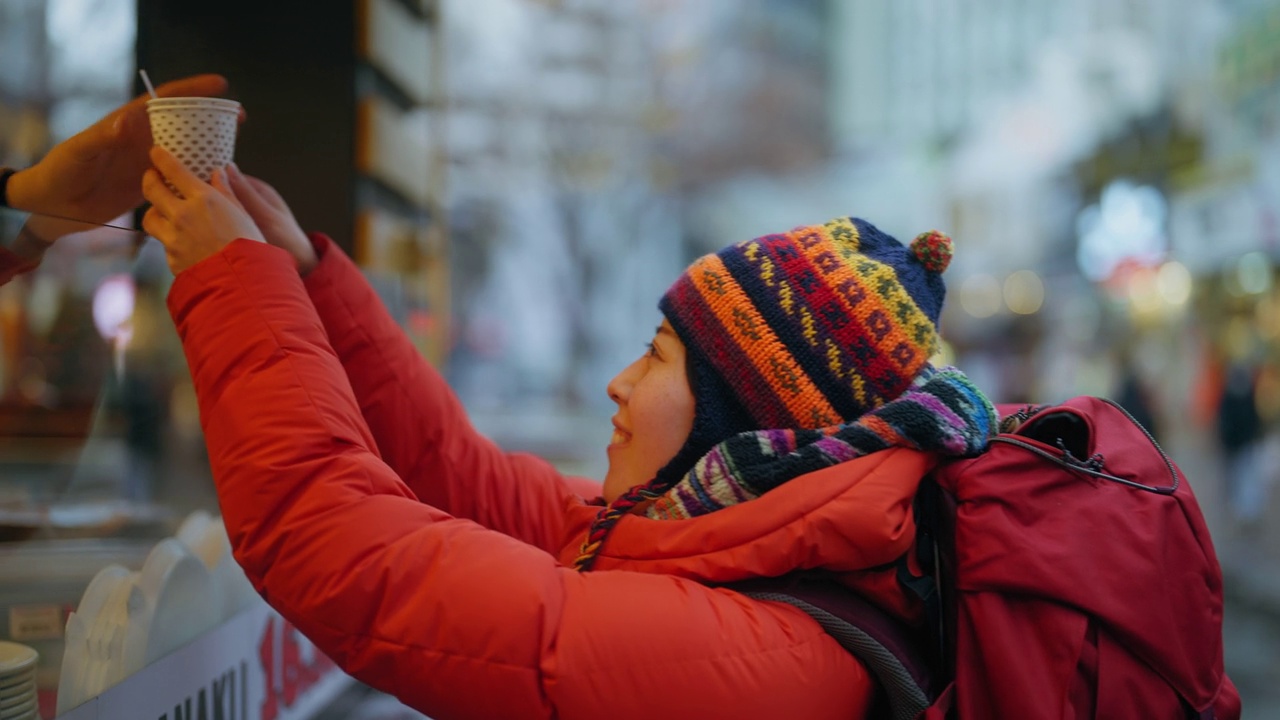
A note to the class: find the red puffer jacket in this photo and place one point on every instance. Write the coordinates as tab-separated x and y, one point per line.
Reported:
432	565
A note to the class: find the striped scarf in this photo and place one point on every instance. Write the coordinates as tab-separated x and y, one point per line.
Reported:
941	412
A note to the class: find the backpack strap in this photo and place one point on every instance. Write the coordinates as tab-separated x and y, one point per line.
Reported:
885	645
934	510
935	516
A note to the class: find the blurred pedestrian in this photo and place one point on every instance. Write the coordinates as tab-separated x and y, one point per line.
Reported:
1240	431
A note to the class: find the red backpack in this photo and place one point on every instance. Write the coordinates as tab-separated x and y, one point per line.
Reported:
1074	577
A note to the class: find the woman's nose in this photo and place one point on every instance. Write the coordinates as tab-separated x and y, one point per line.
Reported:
619	388
614	388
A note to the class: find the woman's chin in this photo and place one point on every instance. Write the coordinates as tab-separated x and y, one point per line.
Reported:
615	484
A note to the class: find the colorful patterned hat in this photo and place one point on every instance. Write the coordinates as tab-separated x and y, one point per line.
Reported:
806	329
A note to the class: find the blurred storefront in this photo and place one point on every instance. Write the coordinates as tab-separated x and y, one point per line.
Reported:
114	565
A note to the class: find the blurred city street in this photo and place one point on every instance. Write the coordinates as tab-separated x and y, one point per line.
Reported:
1251	627
1251	632
521	180
1251	580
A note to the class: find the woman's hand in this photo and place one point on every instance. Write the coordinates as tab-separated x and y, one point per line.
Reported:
94	175
199	219
273	216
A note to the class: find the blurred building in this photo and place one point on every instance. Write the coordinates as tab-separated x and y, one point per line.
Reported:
576	132
561	232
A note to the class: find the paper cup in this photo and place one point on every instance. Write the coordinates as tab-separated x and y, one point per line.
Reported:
200	132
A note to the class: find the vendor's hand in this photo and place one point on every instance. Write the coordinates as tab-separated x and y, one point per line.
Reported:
95	175
273	216
199	219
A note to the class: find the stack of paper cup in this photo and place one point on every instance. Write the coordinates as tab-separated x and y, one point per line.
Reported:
18	682
199	131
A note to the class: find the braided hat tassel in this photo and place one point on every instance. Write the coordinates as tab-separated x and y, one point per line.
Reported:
609	516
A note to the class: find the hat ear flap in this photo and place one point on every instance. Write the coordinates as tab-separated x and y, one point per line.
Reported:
717	416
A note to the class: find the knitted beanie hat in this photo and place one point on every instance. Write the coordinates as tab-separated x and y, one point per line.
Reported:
805	329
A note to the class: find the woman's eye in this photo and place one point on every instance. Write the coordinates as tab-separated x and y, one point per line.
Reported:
651	350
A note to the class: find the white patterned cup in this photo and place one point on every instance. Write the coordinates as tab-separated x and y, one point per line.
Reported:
199	131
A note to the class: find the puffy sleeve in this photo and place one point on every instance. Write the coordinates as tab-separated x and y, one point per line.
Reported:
420	427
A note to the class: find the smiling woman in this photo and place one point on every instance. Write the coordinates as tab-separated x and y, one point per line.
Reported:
780	421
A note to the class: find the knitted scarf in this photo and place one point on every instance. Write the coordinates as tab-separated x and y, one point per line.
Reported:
941	412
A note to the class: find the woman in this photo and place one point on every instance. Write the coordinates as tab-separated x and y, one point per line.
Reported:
780	422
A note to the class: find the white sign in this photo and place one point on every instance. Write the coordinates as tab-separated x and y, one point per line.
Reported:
256	666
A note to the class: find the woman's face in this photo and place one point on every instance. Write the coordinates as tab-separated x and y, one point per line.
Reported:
655	414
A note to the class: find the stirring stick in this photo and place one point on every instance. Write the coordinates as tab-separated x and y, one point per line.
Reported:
147	81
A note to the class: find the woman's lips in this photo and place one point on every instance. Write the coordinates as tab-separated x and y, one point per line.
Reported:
620	436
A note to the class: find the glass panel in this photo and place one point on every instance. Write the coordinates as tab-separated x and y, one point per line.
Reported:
97	431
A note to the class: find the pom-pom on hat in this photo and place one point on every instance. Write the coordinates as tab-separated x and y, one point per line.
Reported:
933	250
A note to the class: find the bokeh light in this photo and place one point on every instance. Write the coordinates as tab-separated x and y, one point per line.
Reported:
1174	283
1024	292
981	295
